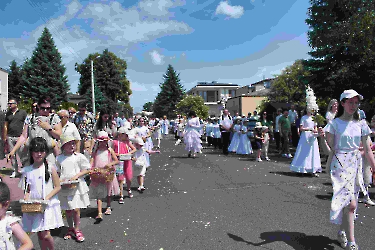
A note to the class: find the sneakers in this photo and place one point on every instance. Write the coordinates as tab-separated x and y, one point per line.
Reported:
267	159
289	156
130	194
141	189
284	155
352	247
177	142
368	201
13	175
121	200
258	160
341	238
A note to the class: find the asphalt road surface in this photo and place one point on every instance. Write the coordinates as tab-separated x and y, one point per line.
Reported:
219	202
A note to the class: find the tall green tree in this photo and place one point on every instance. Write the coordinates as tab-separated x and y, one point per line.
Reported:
14	80
342	40
44	73
288	87
148	106
170	94
109	76
193	103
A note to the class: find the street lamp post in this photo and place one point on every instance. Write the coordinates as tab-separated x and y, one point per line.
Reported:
92	88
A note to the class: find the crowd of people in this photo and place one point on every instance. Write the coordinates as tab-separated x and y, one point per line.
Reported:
71	157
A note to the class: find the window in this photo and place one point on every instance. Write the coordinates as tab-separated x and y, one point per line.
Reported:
232	93
210	97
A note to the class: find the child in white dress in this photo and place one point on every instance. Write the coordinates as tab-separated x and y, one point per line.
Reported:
73	166
344	136
41	182
265	142
9	224
141	162
236	135
244	147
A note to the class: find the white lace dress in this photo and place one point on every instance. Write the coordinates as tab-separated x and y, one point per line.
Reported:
69	166
307	157
51	218
192	135
6	238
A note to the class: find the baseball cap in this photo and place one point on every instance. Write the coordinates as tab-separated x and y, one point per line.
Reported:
350	93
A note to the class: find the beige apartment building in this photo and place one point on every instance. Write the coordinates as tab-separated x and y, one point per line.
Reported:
3	89
238	99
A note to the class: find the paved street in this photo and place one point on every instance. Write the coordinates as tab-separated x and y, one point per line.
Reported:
217	202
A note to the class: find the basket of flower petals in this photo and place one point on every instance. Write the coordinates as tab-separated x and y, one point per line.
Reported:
33	206
69	184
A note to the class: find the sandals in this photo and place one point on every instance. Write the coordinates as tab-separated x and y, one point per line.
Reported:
99	217
108	211
69	234
130	193
79	236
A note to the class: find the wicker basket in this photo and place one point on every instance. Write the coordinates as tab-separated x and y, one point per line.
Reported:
69	184
33	206
102	175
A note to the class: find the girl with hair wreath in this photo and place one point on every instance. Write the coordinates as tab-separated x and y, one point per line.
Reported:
192	136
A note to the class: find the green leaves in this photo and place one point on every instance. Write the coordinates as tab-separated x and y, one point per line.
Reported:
170	94
193	103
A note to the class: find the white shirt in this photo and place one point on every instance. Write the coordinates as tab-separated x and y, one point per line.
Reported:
292	116
226	122
70	130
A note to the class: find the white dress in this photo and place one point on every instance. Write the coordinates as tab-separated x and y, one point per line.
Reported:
51	218
164	127
69	166
346	163
6	239
157	131
192	135
307	157
142	132
244	147
235	138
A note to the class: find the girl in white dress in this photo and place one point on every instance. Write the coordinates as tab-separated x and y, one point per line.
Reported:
344	136
244	147
192	136
9	224
157	132
73	166
41	182
332	110
307	157
236	135
164	125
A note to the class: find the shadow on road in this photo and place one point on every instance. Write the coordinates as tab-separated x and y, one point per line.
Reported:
324	197
298	241
291	174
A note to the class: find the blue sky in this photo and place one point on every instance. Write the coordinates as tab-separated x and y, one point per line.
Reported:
236	41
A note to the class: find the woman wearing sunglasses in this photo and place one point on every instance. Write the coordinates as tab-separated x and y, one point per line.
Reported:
42	124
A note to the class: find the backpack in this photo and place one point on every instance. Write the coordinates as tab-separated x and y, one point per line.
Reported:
222	117
36	131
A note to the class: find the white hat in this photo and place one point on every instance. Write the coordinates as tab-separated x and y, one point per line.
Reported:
123	130
258	125
350	93
65	139
264	127
103	136
139	141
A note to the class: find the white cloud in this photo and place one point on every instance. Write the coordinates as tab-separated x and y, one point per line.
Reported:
231	11
156	58
156	7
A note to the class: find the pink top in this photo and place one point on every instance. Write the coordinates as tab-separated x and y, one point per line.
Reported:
121	147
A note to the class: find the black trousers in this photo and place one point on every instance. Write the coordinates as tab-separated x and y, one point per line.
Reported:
216	142
295	137
277	140
209	140
225	139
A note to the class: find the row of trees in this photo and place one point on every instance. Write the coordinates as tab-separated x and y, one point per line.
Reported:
342	39
172	99
44	74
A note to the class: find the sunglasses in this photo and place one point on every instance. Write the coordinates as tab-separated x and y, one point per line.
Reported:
63	117
10	103
45	108
106	117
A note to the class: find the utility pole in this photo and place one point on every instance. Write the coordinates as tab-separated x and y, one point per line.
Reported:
92	88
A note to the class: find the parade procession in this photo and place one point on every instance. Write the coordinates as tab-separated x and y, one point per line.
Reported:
113	138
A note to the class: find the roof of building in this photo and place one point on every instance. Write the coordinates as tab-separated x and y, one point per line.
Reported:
264	80
6	71
214	83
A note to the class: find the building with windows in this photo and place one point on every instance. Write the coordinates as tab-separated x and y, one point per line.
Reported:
3	89
213	93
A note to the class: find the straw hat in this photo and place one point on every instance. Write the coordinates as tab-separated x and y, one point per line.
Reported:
258	125
65	139
103	136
